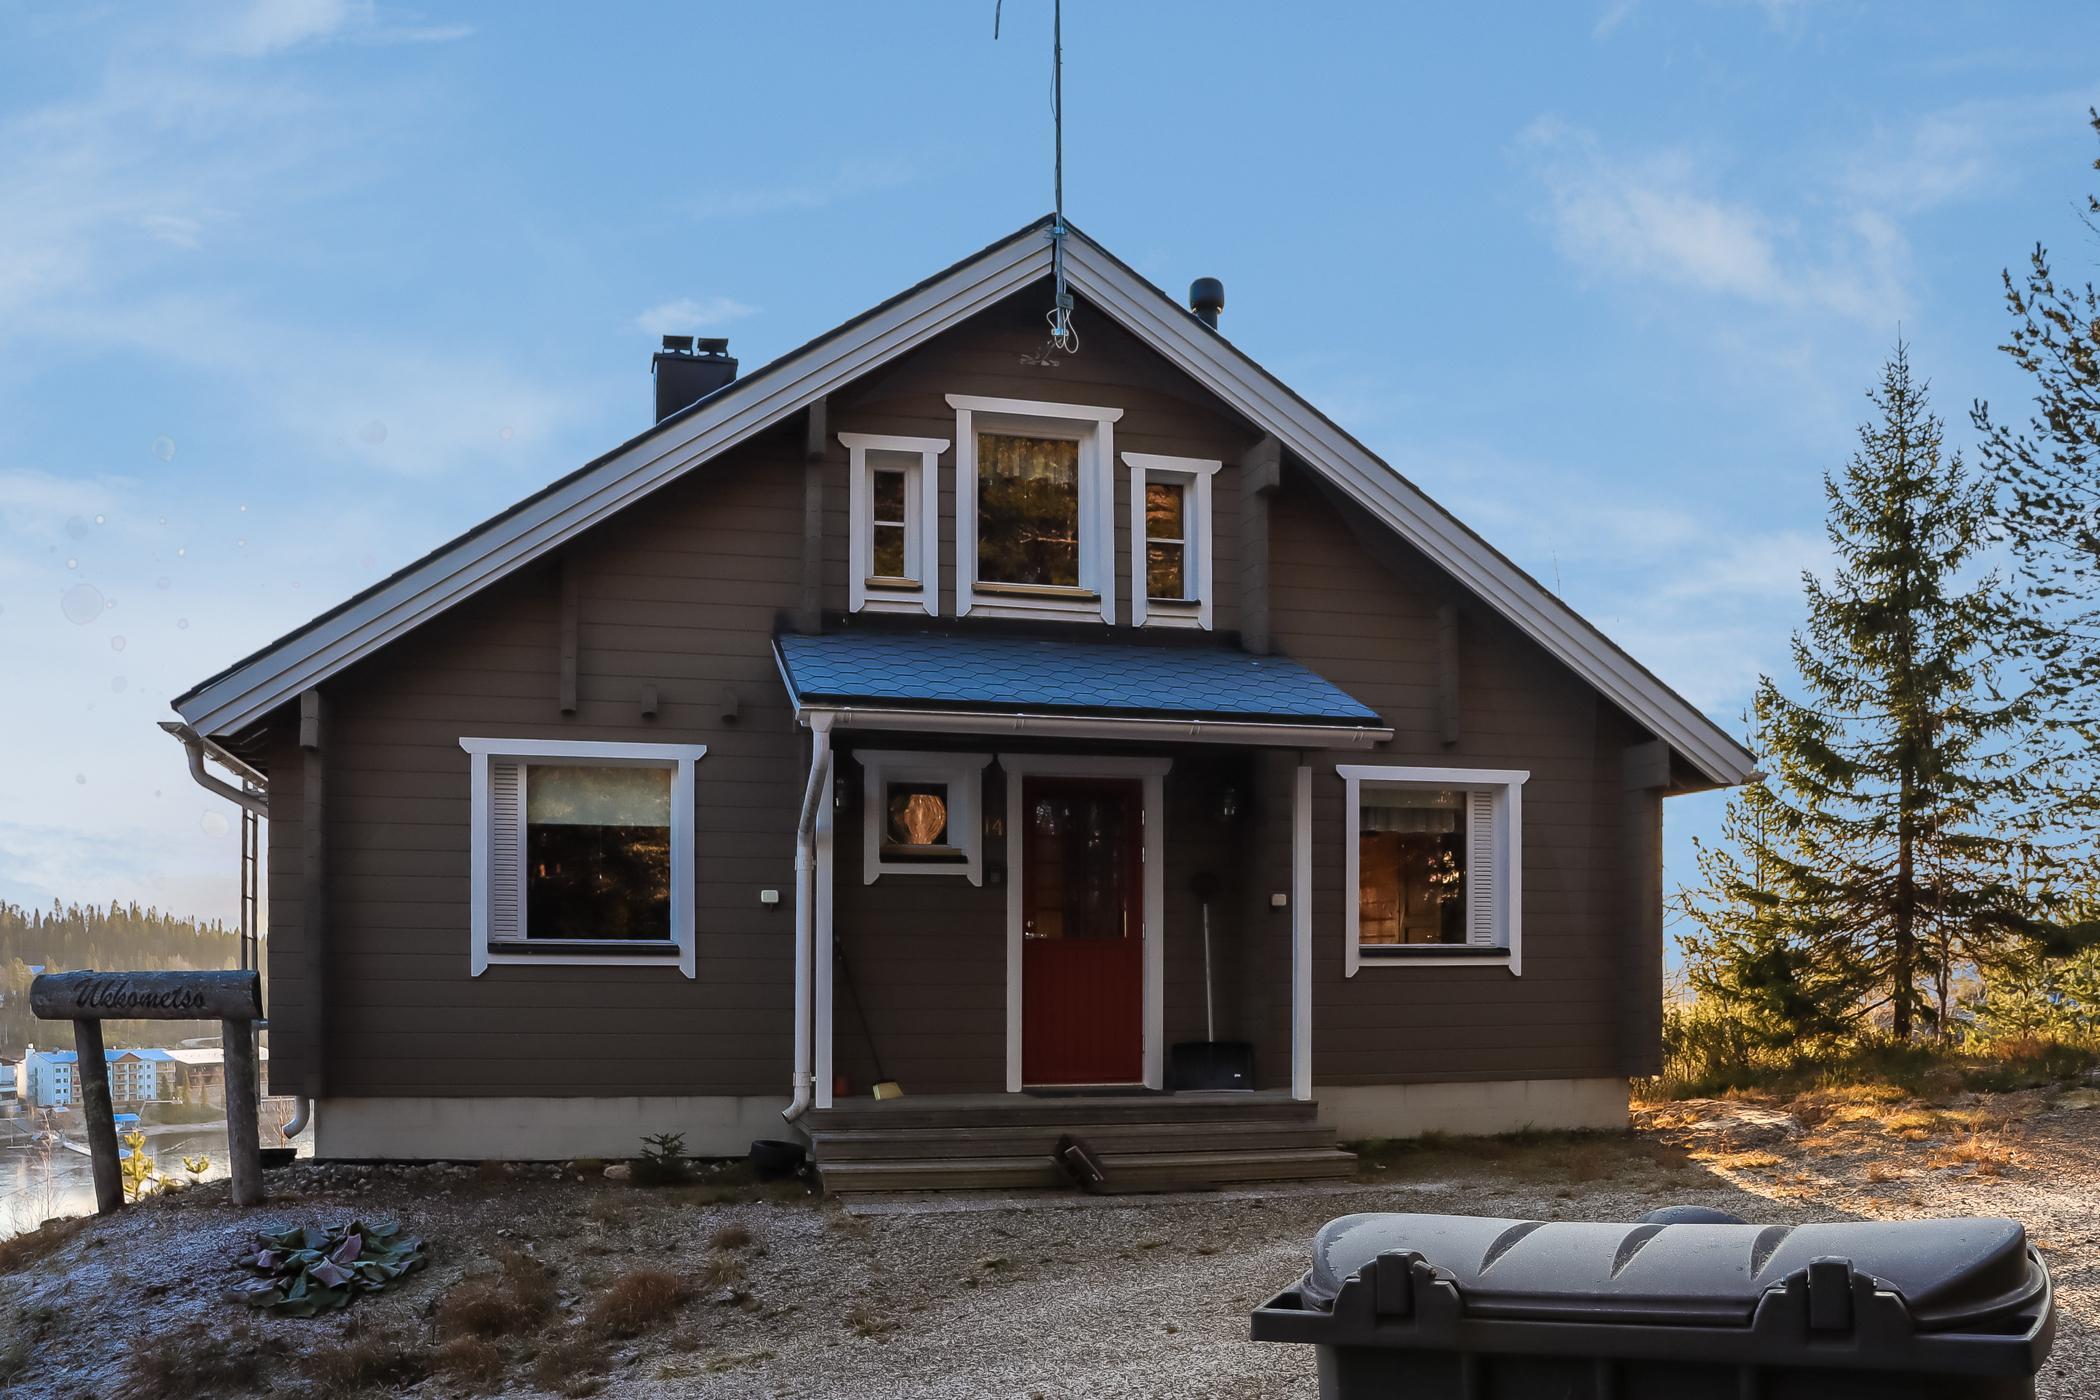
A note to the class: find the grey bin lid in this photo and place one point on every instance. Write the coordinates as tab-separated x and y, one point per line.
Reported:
1947	1272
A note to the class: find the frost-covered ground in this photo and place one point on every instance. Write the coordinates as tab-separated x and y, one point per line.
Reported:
1024	1300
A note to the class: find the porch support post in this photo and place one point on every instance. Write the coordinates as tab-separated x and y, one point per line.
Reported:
826	968
1301	934
1645	775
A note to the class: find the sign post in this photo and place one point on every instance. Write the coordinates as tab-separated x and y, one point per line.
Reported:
87	999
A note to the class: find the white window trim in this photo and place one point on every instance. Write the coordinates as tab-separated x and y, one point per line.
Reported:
1152	773
922	496
1508	862
1095	431
1194	474
682	759
964	775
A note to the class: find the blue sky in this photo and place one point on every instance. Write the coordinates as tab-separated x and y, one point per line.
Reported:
290	292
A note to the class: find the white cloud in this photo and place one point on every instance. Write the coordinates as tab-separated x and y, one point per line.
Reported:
1615	14
1654	219
684	315
819	191
265	27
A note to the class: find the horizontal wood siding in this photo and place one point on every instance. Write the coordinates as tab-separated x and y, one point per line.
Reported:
683	594
293	1054
927	956
1361	609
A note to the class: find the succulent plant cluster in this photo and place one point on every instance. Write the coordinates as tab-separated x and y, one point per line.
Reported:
303	1270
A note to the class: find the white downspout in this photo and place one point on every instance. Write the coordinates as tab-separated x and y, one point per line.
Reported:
258	803
805	914
193	744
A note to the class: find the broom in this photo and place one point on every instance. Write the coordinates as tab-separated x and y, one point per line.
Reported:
885	1087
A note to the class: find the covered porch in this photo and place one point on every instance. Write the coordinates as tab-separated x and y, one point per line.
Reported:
1038	866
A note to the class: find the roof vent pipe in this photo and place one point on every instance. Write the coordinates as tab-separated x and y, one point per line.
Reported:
1207	299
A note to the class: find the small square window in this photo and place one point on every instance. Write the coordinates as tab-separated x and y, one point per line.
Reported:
920	813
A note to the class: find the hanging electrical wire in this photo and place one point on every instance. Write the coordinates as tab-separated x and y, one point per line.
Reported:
1064	337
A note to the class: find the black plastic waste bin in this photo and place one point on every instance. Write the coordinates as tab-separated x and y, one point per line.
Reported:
1458	1307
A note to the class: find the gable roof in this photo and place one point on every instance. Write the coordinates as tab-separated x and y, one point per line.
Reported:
249	689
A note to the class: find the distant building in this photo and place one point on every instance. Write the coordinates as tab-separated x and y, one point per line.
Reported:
46	1079
140	1076
50	1079
200	1074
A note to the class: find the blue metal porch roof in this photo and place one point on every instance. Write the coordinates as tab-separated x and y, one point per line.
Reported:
956	671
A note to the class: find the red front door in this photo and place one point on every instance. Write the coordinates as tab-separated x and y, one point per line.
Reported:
1082	931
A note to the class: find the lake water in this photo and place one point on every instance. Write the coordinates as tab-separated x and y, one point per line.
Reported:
38	1182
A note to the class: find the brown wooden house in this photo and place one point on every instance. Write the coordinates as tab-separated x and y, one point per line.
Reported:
933	708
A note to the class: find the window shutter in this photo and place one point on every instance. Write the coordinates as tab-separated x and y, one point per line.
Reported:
1483	870
506	849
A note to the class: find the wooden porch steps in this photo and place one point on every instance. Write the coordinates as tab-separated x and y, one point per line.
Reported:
1005	1142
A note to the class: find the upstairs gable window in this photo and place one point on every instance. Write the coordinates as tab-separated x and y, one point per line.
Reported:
1170	540
1034	536
1028	510
893	491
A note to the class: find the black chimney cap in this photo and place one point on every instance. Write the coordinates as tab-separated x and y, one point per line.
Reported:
682	344
712	345
1207	299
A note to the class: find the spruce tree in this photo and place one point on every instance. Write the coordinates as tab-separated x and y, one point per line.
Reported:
2048	477
1885	848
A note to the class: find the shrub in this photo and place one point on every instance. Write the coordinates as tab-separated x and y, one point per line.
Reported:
35	1246
362	1361
515	1300
663	1161
637	1301
471	1361
731	1236
198	1361
569	1365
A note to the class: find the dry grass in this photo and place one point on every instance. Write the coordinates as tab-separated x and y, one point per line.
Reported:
1986	1154
35	1246
571	1365
639	1301
731	1236
870	1322
1755	1160
513	1301
721	1271
363	1361
198	1361
473	1361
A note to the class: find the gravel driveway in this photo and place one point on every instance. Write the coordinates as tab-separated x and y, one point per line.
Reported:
1098	1300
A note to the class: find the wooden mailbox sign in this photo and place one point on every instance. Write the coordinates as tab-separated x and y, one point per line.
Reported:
87	999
